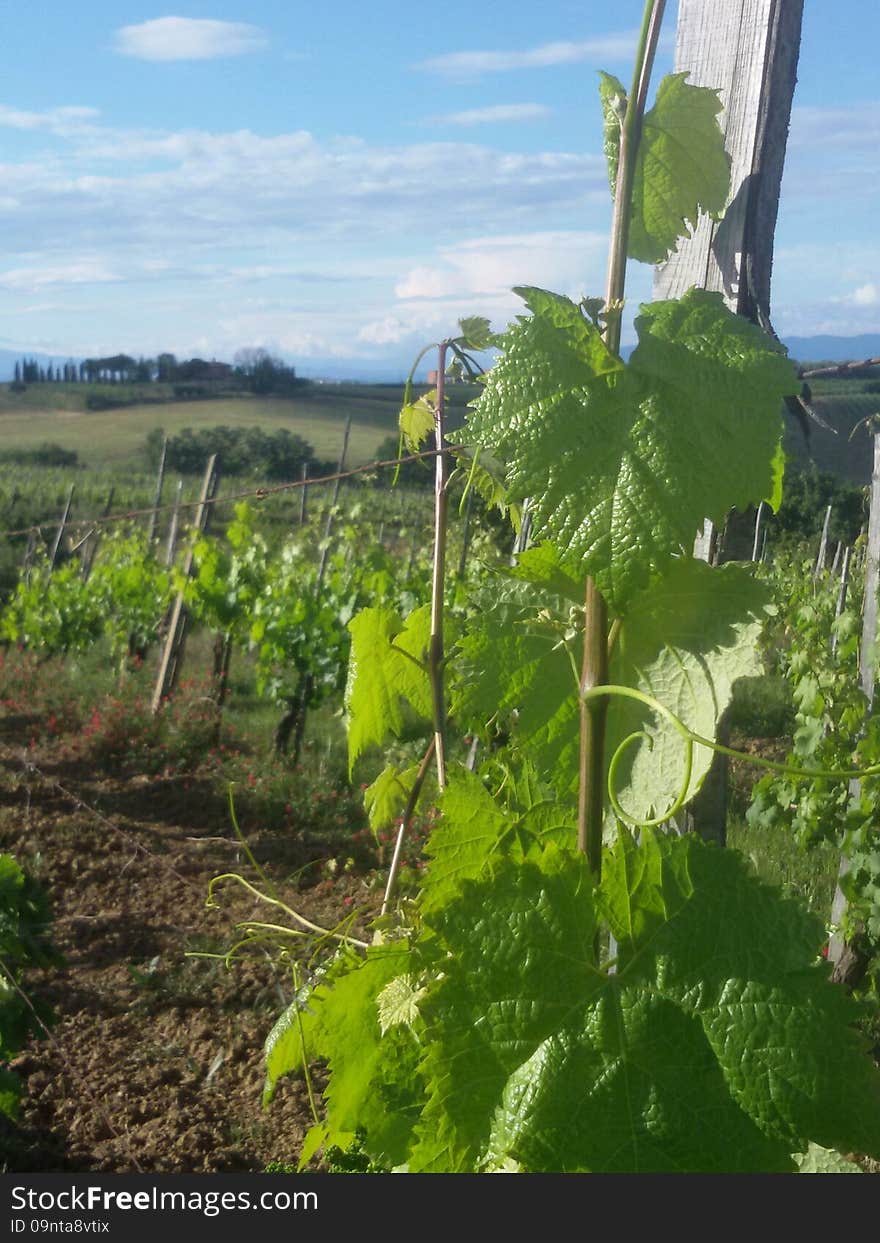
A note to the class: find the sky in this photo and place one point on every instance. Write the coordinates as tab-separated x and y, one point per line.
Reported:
340	182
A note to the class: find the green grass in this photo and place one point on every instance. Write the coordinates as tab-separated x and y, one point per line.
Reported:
111	437
57	413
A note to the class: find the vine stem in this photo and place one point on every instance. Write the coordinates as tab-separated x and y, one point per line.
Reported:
288	910
406	819
594	668
438	575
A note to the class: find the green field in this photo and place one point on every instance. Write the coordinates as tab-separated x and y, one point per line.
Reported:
108	437
56	413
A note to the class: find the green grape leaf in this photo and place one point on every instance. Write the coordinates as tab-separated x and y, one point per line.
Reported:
612	96
373	1080
488	482
685	642
416	420
541	566
623	464
398	1002
476	333
818	1160
10	1094
681	166
386	798
386	671
716	1045
521	953
774	497
476	831
471	830
514	662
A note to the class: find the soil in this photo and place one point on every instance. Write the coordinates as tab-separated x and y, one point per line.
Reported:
154	1062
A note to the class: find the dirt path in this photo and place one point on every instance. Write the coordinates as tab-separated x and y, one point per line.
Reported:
155	1060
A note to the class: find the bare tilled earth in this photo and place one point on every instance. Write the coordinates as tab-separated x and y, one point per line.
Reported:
154	1062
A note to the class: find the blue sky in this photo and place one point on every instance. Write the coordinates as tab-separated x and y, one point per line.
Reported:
342	181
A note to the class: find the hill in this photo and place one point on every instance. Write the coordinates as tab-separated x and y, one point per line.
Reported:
58	413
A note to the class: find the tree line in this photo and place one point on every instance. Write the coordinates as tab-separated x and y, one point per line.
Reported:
255	370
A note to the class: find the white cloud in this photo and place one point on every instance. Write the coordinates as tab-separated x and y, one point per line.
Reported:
494	114
186	38
63	121
565	261
81	272
165	191
866	295
566	52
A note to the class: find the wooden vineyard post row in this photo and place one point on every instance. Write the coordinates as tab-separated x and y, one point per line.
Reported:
748	49
841	593
56	544
93	539
171	546
302	494
157	500
847	960
823	545
756	546
172	650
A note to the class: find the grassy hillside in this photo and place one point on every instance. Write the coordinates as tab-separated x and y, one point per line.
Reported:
57	413
834	452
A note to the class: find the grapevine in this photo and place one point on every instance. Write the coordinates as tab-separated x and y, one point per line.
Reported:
573	989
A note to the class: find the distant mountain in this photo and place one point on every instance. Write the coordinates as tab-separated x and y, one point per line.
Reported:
834	349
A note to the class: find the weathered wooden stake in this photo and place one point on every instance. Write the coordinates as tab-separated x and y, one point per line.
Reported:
841	595
747	49
90	548
172	651
174	527
758	516
304	474
157	499
53	555
823	545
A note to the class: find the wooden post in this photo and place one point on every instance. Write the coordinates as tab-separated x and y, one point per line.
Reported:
841	595
758	517
29	553
302	494
172	650
171	546
836	560
90	547
748	50
157	500
523	537
848	959
823	545
53	555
